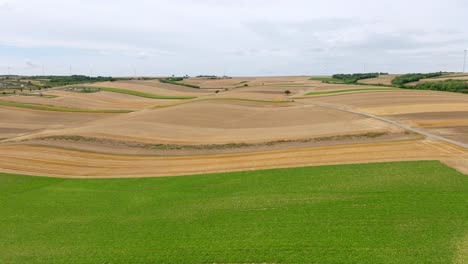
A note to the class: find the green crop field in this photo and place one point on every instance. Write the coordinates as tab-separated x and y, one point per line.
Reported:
405	212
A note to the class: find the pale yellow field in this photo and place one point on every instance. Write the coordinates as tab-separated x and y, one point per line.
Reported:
98	100
278	127
382	79
68	163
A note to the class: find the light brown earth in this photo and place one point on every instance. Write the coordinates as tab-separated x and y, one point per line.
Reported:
97	100
222	122
69	163
154	87
382	79
440	113
17	121
239	128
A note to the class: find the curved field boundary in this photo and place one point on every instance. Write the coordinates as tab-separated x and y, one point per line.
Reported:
398	124
140	94
57	162
59	108
351	90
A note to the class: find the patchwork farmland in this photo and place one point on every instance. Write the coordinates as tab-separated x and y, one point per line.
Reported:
271	170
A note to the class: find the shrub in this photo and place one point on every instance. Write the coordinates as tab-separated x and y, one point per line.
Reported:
413	77
352	78
448	86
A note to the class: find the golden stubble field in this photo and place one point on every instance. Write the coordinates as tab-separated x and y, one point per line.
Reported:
249	123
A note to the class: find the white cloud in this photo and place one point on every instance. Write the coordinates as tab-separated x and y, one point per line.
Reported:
248	37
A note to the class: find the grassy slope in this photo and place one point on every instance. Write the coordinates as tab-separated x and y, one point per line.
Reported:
351	90
141	94
408	212
59	108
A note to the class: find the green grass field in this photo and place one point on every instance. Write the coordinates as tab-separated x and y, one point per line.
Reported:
352	90
405	212
60	108
141	94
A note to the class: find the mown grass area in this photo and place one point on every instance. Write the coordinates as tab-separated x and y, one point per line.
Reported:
141	94
405	212
327	79
351	90
60	108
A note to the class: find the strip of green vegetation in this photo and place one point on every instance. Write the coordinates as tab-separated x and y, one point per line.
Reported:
348	78
77	138
38	95
353	78
449	75
177	81
54	81
413	77
351	90
459	86
141	94
405	212
326	79
59	108
83	89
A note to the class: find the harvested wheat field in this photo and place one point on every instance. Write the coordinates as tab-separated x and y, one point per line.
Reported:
257	120
382	79
154	87
18	121
97	100
224	122
440	113
70	163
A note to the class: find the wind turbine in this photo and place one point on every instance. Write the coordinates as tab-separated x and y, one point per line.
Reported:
464	62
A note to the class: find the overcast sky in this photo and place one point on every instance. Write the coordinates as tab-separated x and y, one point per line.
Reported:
232	37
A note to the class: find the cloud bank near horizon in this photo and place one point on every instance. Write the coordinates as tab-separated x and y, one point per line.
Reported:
238	38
